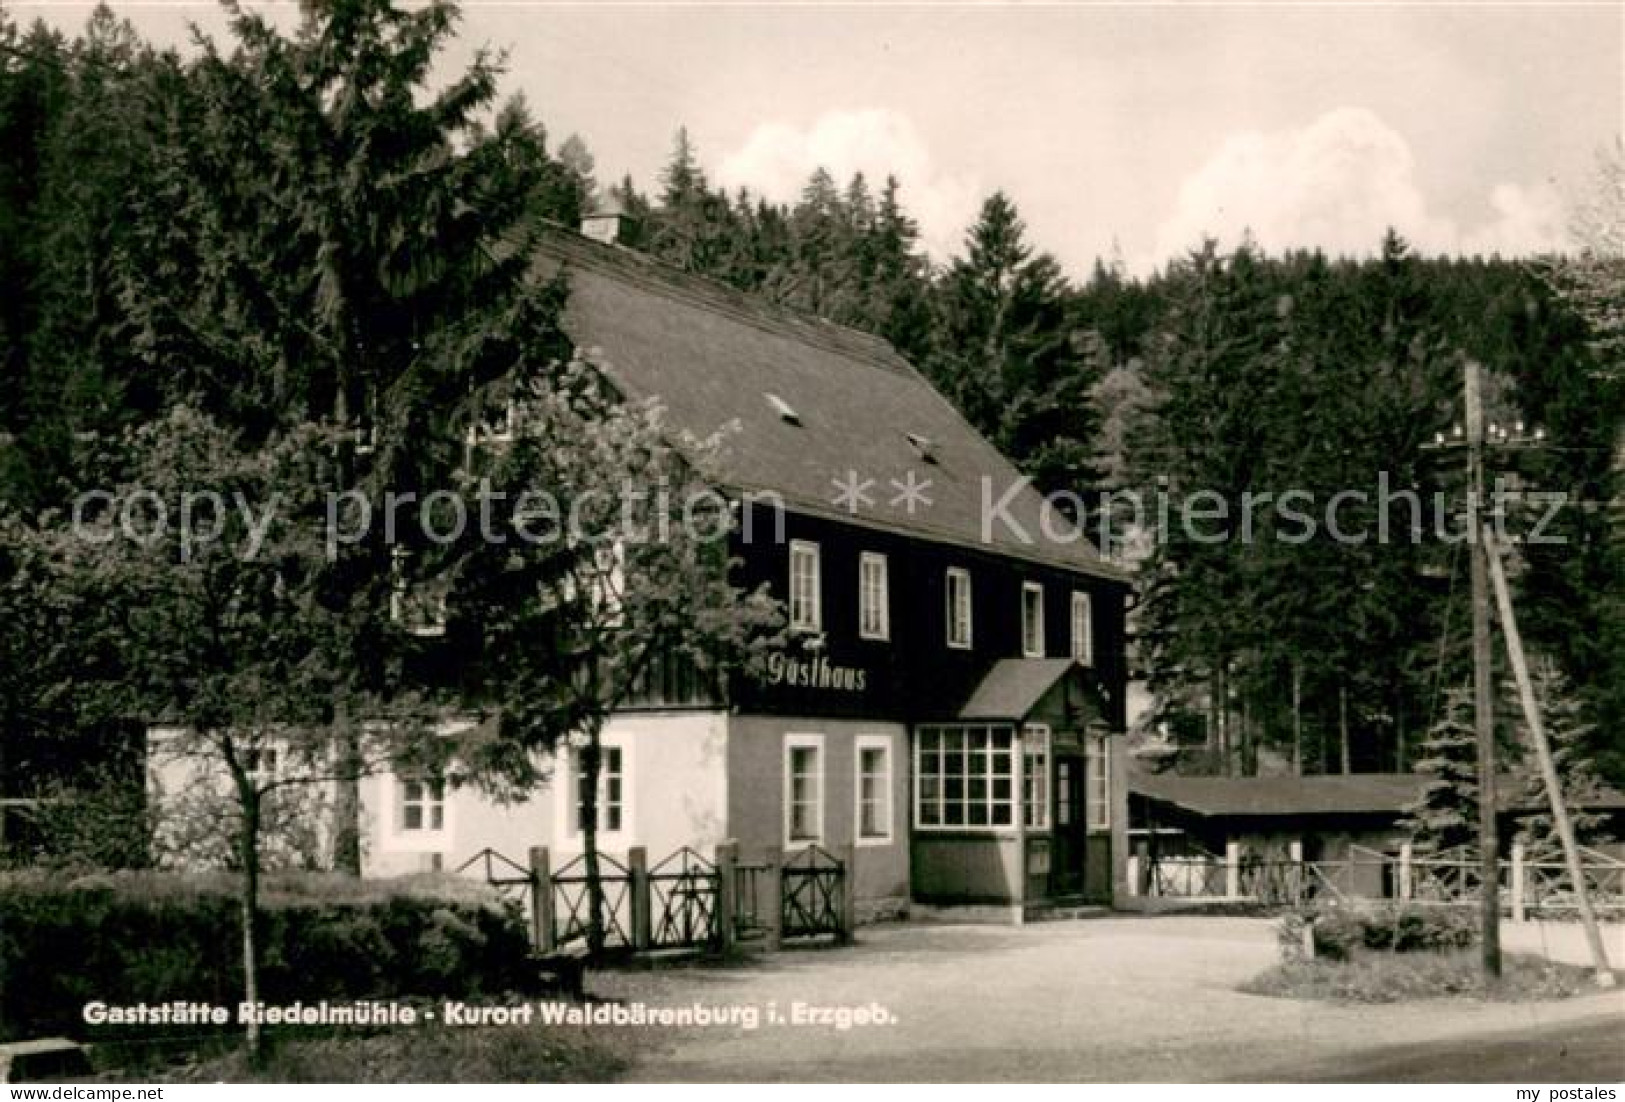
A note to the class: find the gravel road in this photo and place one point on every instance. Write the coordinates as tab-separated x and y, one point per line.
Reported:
1110	999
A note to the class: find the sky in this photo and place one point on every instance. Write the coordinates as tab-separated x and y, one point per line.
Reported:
1126	131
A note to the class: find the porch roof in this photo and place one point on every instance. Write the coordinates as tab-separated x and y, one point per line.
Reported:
1014	686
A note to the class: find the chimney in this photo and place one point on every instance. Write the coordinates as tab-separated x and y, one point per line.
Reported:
606	224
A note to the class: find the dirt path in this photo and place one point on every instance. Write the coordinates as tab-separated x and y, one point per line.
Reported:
1117	999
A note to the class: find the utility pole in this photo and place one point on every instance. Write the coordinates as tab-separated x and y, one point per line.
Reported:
1548	769
1483	681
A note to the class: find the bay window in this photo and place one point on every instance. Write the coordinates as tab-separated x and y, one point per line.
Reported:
964	777
1035	776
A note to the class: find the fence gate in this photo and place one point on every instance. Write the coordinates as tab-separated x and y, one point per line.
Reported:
814	886
572	902
684	891
750	917
511	879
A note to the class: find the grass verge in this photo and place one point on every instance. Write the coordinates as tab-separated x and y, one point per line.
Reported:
511	1054
1375	977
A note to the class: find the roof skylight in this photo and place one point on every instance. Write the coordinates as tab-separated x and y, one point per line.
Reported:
923	445
785	411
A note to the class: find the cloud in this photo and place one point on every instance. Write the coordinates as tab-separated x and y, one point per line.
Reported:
1338	183
777	158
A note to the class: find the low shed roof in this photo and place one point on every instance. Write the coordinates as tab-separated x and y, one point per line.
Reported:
1341	794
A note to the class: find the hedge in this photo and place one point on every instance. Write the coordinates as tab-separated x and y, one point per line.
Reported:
1339	932
151	937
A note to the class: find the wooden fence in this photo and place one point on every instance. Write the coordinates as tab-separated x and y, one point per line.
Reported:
686	900
1528	885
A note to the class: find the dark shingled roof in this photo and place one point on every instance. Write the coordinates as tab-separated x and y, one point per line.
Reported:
711	356
1351	794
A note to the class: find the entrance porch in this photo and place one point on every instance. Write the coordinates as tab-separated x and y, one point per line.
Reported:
1014	797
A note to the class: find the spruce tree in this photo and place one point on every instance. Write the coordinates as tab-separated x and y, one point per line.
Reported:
692	228
900	303
1568	735
1010	355
1445	816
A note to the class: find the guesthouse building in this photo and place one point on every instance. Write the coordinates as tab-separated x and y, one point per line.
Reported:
949	696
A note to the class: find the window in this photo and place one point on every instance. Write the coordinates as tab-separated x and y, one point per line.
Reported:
806	613
873	789
959	625
803	789
608	584
874	612
1063	792
495	424
1035	776
423	804
1098	791
964	777
1032	620
419	606
611	790
263	765
1083	635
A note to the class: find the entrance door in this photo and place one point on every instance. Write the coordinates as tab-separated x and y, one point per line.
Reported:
1070	831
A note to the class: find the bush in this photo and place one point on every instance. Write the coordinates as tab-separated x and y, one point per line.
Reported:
1339	932
1386	978
156	937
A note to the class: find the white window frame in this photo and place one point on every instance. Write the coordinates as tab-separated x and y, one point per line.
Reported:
813	618
815	743
881	605
1036	776
567	792
888	818
1097	771
420	611
609	582
500	429
1032	620
433	796
953	618
1083	628
264	764
1011	803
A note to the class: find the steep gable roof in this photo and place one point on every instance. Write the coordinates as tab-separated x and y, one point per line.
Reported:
714	357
